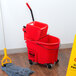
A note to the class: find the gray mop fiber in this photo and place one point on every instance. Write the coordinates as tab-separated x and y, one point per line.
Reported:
13	70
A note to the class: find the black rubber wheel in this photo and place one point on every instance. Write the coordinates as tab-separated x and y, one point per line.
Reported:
49	66
30	61
57	62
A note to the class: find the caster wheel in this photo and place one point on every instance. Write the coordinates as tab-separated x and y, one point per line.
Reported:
57	62
30	61
49	66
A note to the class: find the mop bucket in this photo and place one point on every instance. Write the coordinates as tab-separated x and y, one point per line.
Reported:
45	50
35	30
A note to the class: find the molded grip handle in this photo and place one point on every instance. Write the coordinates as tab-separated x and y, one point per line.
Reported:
28	5
5	51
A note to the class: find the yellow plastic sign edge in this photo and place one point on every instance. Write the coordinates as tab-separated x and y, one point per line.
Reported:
71	71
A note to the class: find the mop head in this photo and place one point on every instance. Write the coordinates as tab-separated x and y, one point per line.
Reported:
13	70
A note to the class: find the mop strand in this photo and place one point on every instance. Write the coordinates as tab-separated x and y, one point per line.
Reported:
13	70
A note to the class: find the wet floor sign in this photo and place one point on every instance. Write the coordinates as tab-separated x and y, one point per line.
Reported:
71	71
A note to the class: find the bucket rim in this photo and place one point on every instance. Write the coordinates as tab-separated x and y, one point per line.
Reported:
47	44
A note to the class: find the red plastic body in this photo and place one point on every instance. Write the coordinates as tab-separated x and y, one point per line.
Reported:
44	51
35	30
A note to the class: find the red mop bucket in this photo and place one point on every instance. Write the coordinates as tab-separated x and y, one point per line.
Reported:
45	51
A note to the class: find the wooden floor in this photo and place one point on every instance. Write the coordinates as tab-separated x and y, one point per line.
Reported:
21	59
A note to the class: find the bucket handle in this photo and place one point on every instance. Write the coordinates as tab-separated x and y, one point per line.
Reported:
47	48
30	11
42	45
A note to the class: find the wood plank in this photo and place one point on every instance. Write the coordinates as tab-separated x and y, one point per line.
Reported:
21	59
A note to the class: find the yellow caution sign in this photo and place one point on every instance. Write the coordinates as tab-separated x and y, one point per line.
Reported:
71	71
